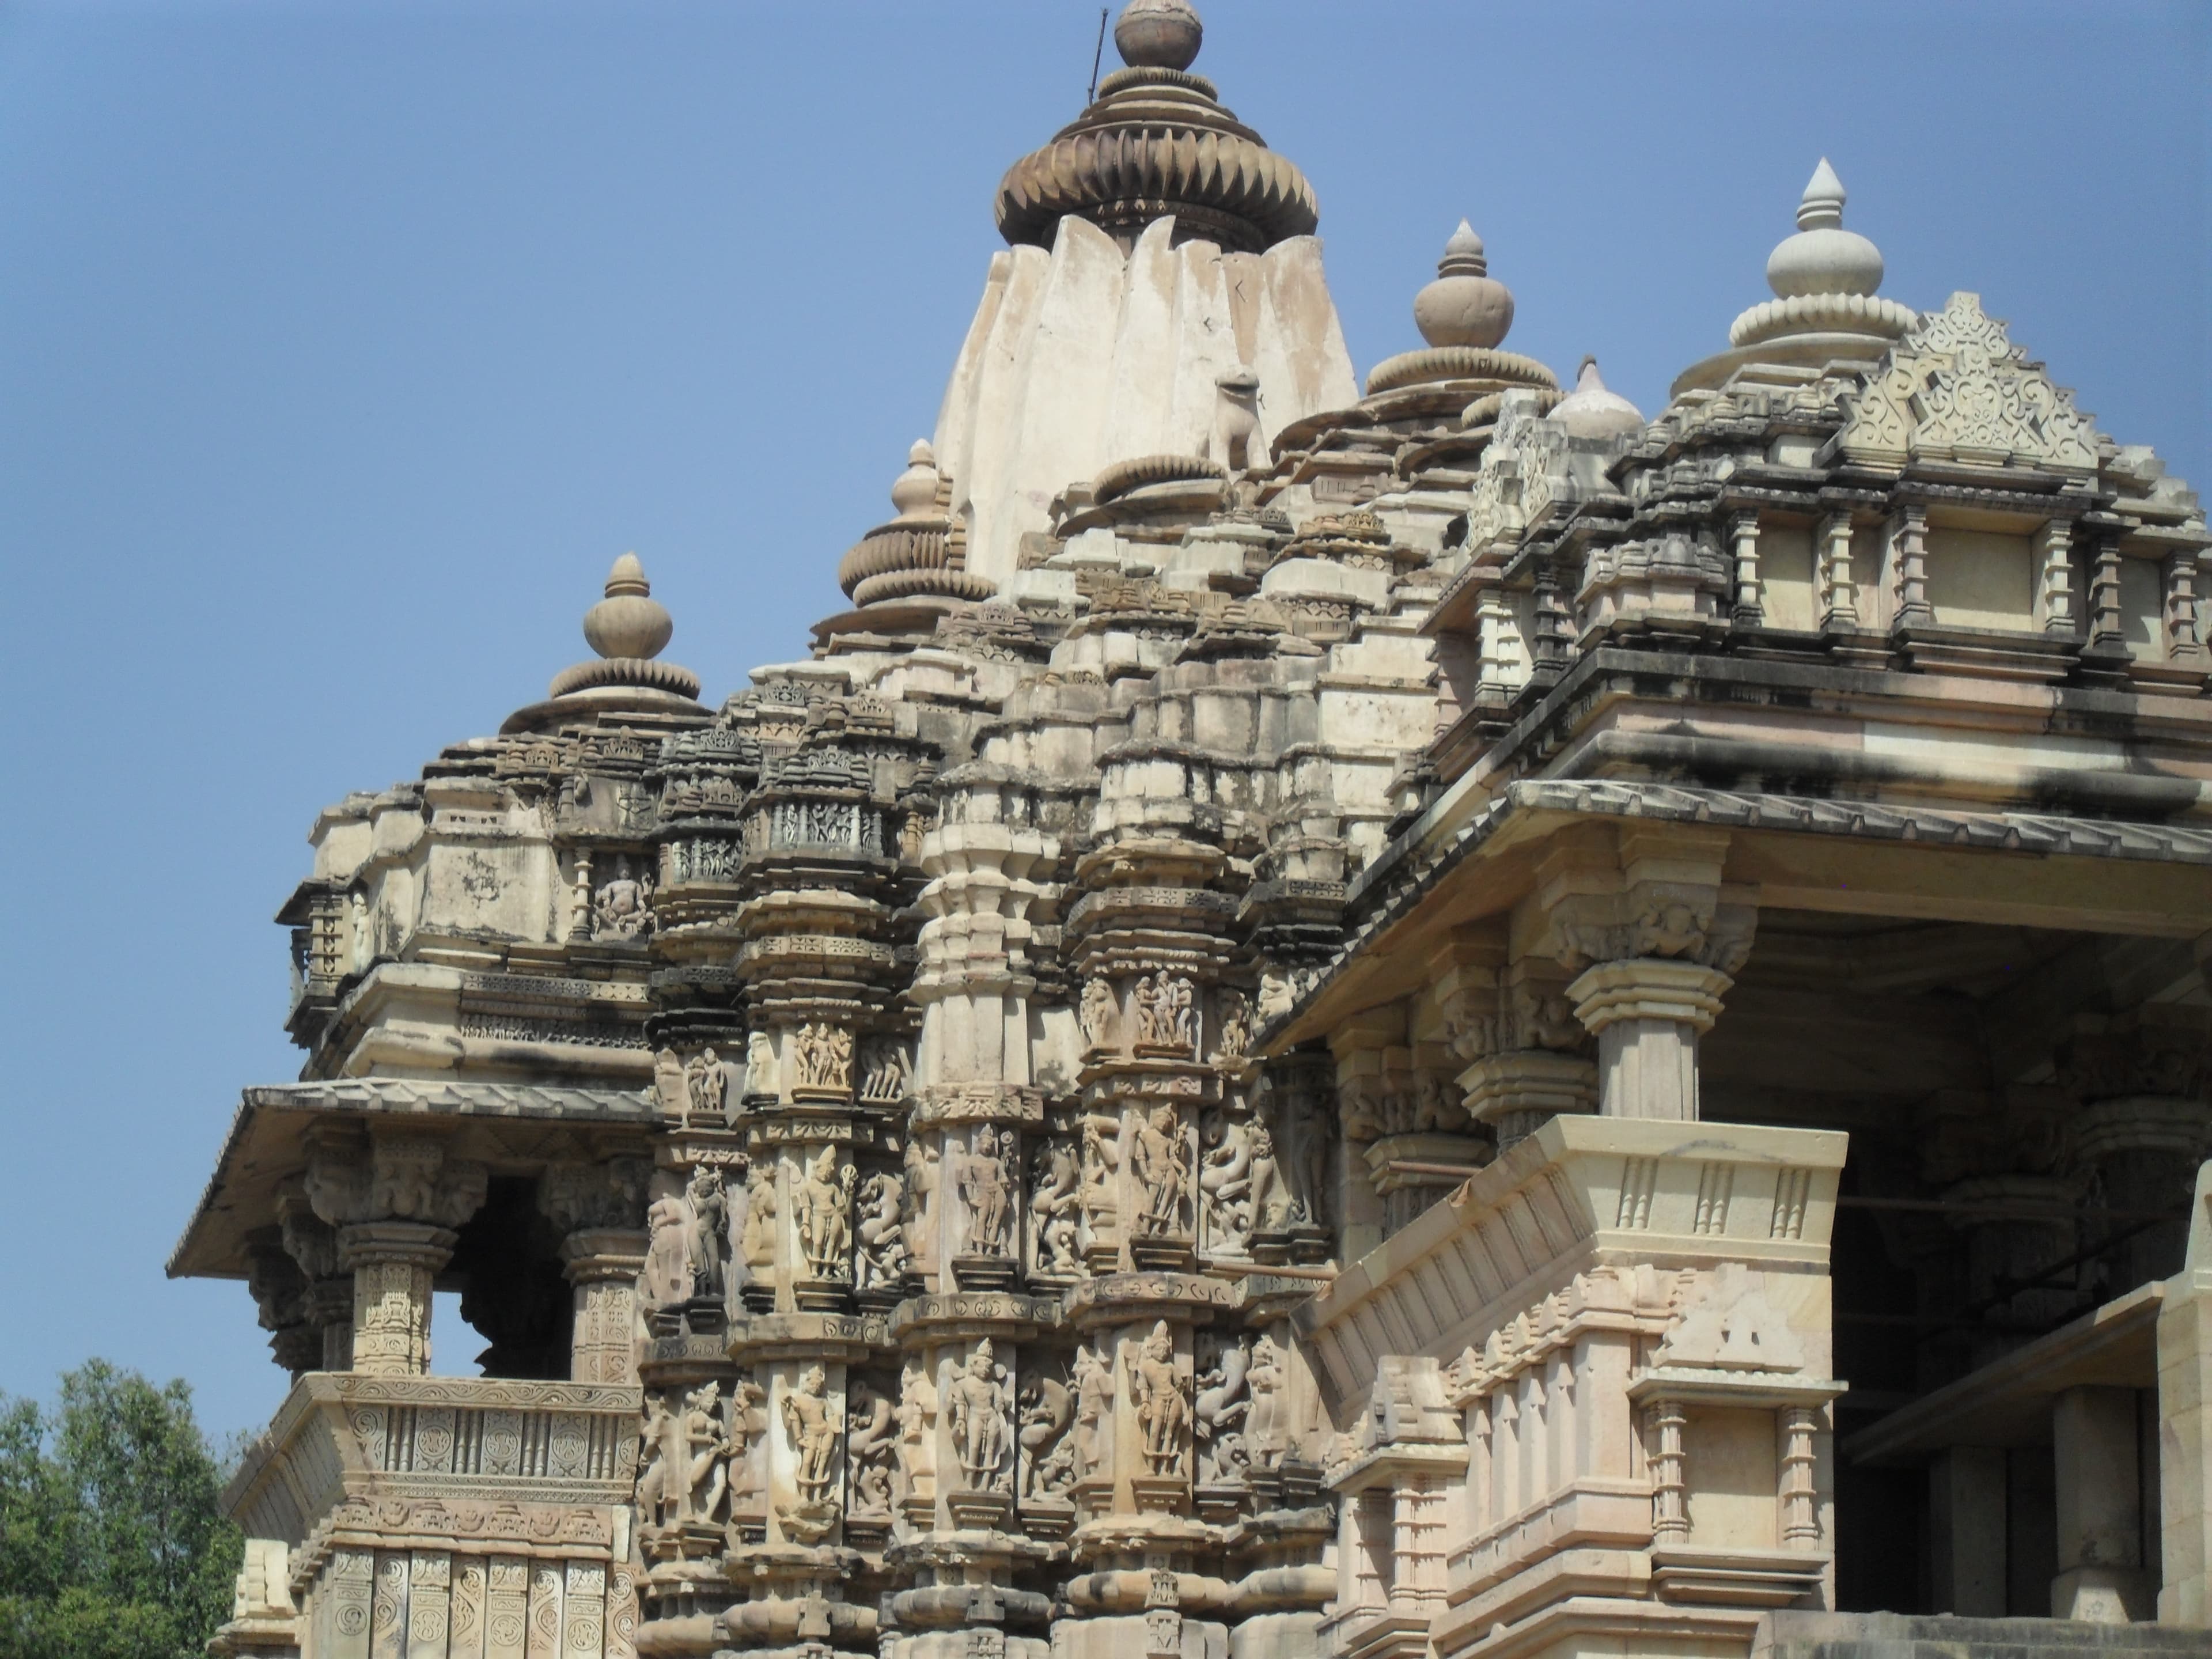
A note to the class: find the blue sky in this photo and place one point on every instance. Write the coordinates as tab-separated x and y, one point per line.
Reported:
343	347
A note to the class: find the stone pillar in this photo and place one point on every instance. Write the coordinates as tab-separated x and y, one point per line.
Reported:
1743	541
2100	1579
1647	1014
394	1198
1837	598
393	1263
2140	1129
2184	641
1966	1532
2185	1414
326	1303
2054	555
602	1264
1908	558
280	1295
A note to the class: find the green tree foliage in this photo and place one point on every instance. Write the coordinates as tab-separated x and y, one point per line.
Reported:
110	1543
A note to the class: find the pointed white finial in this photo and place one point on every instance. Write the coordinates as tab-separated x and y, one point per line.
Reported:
1821	207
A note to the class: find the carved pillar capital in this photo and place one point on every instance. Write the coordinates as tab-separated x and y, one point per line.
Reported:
1647	1014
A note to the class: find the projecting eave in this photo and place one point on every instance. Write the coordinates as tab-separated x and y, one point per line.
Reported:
1844	857
505	1124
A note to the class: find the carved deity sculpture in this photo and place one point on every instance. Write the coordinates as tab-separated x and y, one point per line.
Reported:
975	1404
1094	1411
881	1255
984	1188
656	1484
824	1054
1235	1035
1097	1014
667	1267
871	1437
707	1086
1101	1159
824	1234
760	1064
706	1448
811	1423
710	1232
917	1421
1156	1388
1161	1166
1225	1184
1266	1427
920	1182
1056	1207
623	907
884	1074
1220	1413
748	1422
1047	1408
759	1242
1270	1201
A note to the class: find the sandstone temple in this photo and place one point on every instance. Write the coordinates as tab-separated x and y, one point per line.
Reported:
1412	1016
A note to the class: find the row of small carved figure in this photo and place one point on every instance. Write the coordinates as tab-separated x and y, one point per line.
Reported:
1163	1015
867	1230
822	1060
698	1463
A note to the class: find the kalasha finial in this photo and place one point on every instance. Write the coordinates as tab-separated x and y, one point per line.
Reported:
1464	306
914	492
1823	257
1158	34
629	622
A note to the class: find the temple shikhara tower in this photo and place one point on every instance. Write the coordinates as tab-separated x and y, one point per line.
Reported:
1332	1018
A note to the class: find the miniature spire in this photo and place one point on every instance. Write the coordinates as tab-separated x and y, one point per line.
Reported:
1823	257
1158	34
1464	306
1593	409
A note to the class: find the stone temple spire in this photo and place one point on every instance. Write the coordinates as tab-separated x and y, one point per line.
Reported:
629	629
1158	143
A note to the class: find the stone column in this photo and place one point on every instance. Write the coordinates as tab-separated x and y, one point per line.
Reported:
600	1210
2054	555
1655	936
2094	1443
280	1295
1743	540
394	1199
1908	558
2141	1127
393	1263
326	1304
1967	1531
2184	1412
1837	598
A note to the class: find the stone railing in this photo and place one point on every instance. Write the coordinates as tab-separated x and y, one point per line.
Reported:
476	1517
1624	1329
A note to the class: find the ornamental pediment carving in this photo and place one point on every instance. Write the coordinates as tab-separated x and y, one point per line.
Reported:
1956	388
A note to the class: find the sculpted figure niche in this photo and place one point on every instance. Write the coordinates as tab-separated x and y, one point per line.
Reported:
1047	1409
709	1232
1056	1207
1097	1014
984	1188
824	1234
1164	1011
881	1255
824	1054
621	908
1094	1412
976	1403
871	1438
707	1087
810	1422
759	1241
1156	1388
667	1264
1162	1166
